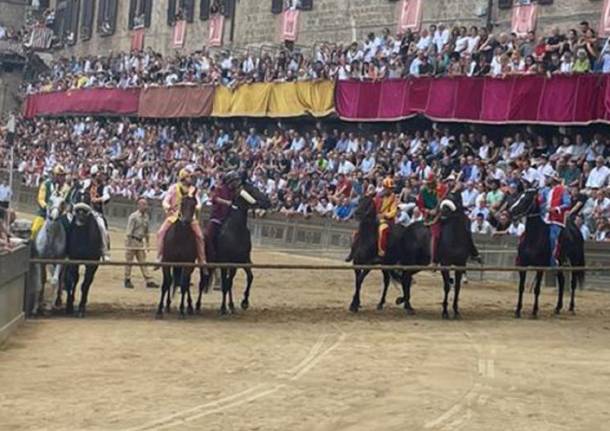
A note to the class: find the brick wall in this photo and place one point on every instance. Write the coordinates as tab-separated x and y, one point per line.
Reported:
331	20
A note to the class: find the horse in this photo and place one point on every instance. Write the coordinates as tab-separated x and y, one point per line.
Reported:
407	245
84	242
454	248
234	246
50	243
535	250
180	245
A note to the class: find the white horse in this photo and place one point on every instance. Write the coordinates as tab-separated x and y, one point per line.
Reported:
50	243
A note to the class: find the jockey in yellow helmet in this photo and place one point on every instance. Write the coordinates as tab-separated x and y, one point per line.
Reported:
55	185
171	205
387	210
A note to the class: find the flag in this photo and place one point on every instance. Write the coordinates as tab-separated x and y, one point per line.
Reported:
40	38
524	18
290	25
604	22
179	34
410	16
137	39
216	24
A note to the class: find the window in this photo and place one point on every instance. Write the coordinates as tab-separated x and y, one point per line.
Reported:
70	31
106	17
87	12
180	9
204	10
277	6
139	13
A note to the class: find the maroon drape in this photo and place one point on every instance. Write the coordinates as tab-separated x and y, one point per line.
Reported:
176	102
575	99
107	101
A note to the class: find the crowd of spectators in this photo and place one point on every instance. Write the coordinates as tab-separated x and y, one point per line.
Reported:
437	50
324	170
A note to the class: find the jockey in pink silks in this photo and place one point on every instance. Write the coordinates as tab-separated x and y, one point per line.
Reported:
171	205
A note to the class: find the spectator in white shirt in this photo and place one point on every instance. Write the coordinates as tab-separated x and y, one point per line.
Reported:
584	230
516	228
469	196
5	195
481	225
324	208
598	177
441	37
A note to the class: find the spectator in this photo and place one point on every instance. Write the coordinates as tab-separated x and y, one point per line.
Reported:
5	195
480	225
598	177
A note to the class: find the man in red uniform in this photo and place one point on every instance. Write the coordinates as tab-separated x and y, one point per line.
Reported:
558	204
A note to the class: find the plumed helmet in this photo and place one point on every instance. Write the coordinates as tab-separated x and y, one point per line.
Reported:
388	183
59	170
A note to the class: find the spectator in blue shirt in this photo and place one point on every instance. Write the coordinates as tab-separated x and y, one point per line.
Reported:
344	210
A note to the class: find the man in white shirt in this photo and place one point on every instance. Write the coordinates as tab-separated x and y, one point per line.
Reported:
324	208
345	166
516	228
545	168
584	230
5	195
598	177
469	196
367	164
481	226
416	63
531	175
441	37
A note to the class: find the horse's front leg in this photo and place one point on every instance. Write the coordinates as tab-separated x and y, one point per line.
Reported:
56	285
90	271
456	294
60	287
360	275
186	278
407	280
561	280
574	282
232	273
386	284
71	283
446	289
224	282
537	294
522	279
204	282
165	290
245	303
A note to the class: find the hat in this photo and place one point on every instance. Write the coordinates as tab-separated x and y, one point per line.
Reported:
183	174
388	183
59	170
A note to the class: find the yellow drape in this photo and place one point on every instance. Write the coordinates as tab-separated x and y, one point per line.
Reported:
286	99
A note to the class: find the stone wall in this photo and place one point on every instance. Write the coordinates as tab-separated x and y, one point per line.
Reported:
12	13
13	269
330	20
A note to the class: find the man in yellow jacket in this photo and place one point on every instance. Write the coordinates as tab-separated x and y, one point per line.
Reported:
56	185
387	210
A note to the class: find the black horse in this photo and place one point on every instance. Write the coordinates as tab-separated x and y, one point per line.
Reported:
233	245
180	245
454	248
408	245
84	242
535	250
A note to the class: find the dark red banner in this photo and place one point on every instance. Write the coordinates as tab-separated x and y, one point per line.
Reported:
576	99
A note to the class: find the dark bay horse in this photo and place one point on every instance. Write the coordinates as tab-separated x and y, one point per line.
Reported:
408	245
234	246
180	245
84	242
454	248
535	250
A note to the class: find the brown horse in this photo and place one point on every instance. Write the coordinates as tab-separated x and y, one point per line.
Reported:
179	245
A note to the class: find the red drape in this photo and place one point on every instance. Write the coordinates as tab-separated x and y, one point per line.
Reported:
176	102
107	101
576	99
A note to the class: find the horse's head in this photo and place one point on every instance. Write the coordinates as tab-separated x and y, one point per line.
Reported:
251	197
366	209
526	204
188	207
55	208
82	212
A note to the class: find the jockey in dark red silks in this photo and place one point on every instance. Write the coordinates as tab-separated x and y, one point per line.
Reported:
222	200
556	201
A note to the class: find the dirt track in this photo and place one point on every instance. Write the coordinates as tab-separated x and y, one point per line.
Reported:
298	360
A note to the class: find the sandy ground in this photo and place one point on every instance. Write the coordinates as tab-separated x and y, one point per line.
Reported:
298	360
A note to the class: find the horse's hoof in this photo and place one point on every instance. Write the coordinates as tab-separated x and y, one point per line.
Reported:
379	307
353	308
58	302
223	311
410	311
457	315
557	311
573	312
400	300
534	316
81	314
232	308
159	315
190	311
445	315
517	314
69	310
245	304
198	306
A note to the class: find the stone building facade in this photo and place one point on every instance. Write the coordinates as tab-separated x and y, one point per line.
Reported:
253	23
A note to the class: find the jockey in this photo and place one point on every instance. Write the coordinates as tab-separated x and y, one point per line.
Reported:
557	205
387	210
427	202
222	200
96	195
171	205
54	185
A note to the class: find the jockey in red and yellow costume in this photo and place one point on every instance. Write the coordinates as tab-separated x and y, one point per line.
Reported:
171	205
387	210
